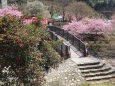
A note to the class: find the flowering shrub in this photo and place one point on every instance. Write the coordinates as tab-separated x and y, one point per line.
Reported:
12	10
96	32
88	26
24	48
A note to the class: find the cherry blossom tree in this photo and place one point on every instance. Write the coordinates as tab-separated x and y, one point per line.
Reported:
12	10
88	26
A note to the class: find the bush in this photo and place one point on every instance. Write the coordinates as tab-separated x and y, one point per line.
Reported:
26	48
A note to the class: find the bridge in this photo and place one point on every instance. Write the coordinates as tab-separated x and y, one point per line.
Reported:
76	42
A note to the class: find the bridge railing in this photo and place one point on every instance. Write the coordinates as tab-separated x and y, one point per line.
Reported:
76	42
63	49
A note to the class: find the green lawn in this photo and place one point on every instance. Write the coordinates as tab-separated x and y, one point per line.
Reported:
99	84
103	84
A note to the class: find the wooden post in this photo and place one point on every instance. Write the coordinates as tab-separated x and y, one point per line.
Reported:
68	51
78	45
52	36
67	36
63	33
61	50
73	40
85	52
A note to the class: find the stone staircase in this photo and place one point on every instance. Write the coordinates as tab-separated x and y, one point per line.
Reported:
97	71
76	71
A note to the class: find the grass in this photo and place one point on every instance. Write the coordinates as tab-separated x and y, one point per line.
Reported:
103	84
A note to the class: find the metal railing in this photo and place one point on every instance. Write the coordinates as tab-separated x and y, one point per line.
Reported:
63	49
76	42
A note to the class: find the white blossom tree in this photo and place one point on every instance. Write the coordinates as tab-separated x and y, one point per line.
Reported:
36	8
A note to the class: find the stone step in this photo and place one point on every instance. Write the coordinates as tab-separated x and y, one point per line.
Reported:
99	73
98	78
96	70
91	66
92	63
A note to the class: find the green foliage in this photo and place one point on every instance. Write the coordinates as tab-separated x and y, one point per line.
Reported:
98	48
101	47
25	48
56	43
52	57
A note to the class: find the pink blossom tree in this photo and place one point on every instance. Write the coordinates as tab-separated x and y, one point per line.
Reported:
88	26
12	10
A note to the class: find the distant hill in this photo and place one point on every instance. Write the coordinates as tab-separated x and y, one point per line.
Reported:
107	7
17	1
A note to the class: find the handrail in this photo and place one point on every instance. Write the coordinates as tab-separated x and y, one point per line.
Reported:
76	42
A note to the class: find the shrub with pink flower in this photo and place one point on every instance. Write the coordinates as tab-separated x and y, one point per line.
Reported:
10	10
88	26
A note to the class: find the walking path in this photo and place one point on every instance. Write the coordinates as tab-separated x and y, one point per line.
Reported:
73	51
75	54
